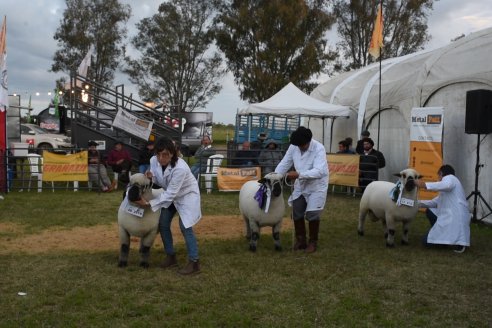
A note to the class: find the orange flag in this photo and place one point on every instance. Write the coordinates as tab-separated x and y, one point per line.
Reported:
377	35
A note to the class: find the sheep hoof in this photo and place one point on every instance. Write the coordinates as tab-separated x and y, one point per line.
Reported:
390	245
144	265
360	232
404	242
278	248
122	264
252	248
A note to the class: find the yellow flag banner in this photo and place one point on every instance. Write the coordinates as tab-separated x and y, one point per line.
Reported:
377	35
232	179
72	167
426	144
344	169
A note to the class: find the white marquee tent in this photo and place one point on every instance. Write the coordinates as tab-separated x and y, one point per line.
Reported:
437	78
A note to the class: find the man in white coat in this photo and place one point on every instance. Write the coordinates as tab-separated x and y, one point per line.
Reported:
181	194
310	173
448	213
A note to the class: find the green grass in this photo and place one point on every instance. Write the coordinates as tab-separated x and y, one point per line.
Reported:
351	281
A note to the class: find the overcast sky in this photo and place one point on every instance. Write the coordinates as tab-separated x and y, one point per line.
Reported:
31	25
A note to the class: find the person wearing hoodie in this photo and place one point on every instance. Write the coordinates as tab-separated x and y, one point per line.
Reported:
270	156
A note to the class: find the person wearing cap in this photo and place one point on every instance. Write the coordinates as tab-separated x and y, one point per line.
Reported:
120	161
359	149
97	170
371	160
311	176
269	157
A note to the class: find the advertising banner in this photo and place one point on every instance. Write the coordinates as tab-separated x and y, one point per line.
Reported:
72	167
426	144
232	179
132	124
344	169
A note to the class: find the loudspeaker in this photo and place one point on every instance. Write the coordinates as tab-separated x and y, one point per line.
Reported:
478	118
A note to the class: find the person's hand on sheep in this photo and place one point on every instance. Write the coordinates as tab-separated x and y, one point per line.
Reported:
420	183
149	175
292	175
142	202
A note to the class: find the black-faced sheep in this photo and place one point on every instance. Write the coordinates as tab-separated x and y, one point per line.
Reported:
390	203
262	204
137	221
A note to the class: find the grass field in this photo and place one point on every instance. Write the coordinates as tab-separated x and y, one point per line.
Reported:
351	281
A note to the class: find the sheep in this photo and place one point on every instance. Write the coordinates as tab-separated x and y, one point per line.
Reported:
268	192
391	202
137	221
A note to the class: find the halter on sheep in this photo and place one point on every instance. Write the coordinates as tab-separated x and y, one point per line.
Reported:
391	202
137	221
262	204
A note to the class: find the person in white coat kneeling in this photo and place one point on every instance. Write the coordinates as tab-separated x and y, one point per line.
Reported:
448	213
181	194
310	173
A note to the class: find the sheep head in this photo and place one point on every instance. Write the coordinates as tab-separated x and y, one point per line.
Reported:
273	181
408	177
138	186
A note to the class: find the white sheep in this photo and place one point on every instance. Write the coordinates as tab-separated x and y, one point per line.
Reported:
137	221
270	214
390	203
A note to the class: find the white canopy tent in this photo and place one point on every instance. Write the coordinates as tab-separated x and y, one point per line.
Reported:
290	101
437	78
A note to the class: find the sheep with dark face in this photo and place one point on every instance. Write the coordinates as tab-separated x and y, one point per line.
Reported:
391	203
262	204
137	221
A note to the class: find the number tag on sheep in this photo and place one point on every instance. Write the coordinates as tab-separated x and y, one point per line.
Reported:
136	221
391	203
262	204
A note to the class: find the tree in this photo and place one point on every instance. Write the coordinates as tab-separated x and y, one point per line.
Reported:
177	64
91	22
404	31
269	43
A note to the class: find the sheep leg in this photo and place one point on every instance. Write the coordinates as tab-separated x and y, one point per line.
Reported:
248	229
362	218
276	235
390	232
145	245
404	238
124	248
255	235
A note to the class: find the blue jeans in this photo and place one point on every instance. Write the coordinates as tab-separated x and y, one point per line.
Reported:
165	220
195	169
142	168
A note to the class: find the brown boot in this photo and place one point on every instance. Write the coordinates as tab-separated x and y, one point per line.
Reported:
300	230
169	262
191	268
313	236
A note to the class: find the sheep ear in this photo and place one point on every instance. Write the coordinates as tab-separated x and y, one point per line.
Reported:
419	177
262	180
397	175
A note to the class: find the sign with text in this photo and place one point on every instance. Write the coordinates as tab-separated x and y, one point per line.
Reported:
132	124
426	144
232	179
344	169
72	167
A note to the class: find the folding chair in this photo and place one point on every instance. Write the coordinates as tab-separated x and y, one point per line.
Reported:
213	164
36	170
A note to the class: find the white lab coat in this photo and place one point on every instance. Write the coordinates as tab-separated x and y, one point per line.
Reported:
451	208
313	174
180	187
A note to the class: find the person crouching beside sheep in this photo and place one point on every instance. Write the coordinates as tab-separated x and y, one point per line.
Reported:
181	194
311	185
448	213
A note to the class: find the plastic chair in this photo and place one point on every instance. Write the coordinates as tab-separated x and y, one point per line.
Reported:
213	164
36	170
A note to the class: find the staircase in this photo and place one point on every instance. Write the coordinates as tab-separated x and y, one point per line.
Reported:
93	108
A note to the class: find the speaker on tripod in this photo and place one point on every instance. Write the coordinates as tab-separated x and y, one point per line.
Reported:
478	121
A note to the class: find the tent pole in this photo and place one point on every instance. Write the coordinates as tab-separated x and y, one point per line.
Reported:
379	108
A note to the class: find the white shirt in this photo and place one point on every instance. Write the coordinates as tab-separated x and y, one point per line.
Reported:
451	208
180	187
312	167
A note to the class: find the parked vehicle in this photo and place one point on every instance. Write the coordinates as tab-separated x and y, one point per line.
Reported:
41	138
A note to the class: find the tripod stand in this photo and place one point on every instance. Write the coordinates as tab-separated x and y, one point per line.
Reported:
476	193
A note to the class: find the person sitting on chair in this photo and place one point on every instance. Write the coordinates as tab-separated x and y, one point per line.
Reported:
120	161
97	170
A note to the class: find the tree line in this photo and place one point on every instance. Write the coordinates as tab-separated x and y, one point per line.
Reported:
187	46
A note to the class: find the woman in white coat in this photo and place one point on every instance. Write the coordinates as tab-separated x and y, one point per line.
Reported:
181	194
310	173
448	213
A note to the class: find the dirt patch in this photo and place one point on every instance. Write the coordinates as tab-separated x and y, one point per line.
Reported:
105	237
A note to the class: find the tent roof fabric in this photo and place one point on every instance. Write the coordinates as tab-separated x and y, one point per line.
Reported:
291	101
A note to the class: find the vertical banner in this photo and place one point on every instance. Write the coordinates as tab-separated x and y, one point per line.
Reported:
232	179
426	144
